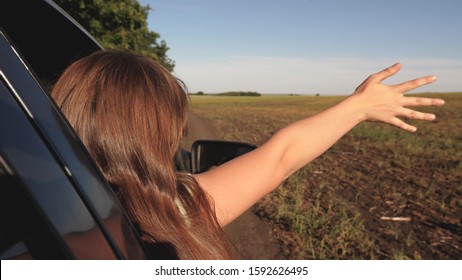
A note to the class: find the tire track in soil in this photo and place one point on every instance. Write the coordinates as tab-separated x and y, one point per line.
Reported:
250	235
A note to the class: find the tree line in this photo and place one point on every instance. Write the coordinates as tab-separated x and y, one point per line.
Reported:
232	93
119	25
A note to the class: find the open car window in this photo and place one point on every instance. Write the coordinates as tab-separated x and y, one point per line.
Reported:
48	46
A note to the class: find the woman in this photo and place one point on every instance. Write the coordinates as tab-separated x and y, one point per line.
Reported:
130	113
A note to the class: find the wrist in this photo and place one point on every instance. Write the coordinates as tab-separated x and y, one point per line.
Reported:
355	107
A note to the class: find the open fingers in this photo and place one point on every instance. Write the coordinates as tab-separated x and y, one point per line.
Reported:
405	126
413	84
412	114
422	101
386	73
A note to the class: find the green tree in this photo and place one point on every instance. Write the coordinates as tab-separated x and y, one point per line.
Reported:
119	25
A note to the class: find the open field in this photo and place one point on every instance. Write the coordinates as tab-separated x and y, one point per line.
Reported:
338	206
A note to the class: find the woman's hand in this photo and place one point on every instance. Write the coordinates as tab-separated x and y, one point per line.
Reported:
379	102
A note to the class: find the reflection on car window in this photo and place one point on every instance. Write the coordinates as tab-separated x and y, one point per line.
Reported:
17	251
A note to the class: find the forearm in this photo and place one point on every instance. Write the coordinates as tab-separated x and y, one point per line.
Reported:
237	185
305	140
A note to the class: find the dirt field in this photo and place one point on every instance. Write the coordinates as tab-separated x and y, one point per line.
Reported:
379	193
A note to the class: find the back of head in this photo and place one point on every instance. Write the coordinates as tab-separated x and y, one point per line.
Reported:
130	113
125	101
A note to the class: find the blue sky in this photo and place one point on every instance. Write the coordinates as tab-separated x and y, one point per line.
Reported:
309	46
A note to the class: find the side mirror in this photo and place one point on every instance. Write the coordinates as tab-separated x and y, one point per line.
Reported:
209	153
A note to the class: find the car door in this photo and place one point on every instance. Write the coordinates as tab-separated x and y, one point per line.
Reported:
54	202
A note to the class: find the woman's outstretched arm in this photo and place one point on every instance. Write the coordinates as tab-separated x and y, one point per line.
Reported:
236	185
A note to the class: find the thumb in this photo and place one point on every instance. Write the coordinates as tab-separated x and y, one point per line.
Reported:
386	73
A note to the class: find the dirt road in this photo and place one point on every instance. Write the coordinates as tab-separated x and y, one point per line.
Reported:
250	235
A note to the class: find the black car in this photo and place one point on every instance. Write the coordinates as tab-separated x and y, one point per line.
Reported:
55	203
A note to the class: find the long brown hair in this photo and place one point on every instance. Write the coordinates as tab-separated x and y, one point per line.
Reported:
130	113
